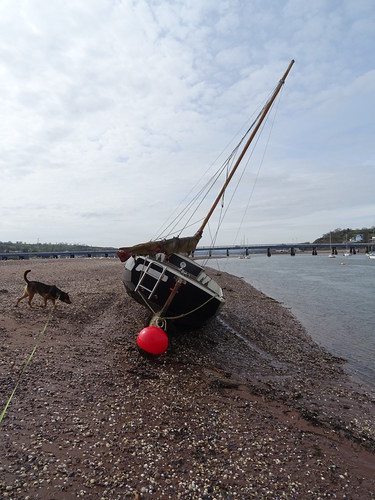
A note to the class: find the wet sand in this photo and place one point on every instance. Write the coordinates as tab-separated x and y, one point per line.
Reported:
247	407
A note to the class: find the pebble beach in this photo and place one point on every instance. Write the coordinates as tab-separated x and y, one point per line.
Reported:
246	407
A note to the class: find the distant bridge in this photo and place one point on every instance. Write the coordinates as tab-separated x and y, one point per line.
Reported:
222	250
291	248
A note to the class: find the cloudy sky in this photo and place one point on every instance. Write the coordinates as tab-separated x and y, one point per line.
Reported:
111	111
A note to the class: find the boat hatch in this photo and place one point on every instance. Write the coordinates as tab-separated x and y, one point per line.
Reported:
185	264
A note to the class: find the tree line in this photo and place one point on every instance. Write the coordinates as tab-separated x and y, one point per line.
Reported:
20	246
335	236
346	235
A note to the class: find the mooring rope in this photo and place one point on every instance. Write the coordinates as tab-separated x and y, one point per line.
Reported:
189	312
20	378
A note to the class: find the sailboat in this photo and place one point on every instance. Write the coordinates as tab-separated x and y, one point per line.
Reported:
163	276
347	251
331	254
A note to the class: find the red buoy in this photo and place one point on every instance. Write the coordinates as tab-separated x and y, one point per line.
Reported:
152	340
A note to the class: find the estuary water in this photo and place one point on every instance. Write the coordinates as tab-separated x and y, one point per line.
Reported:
334	298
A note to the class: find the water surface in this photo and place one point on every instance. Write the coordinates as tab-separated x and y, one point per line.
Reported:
333	298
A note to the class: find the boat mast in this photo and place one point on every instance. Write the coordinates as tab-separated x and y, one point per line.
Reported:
263	115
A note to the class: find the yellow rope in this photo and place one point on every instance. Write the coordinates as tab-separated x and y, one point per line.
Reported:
189	312
26	365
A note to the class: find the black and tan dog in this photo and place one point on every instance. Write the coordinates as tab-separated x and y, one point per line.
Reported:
48	292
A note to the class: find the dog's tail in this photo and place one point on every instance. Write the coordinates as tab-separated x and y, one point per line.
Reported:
25	275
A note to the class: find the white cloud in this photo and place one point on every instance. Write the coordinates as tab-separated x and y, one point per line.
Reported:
111	110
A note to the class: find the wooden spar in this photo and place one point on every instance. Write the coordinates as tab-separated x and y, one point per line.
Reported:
265	111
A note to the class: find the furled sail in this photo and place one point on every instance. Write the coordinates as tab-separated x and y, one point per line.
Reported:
185	245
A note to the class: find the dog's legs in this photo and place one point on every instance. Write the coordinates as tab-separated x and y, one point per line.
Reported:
25	294
31	296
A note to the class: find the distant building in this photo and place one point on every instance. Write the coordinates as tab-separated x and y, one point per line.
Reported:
357	238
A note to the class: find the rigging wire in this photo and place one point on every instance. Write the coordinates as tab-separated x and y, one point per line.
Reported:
260	165
188	211
205	190
223	213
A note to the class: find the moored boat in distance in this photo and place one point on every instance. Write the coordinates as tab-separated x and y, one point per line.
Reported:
332	254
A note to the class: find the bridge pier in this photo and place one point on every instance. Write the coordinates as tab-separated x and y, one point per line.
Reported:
268	252
292	252
314	251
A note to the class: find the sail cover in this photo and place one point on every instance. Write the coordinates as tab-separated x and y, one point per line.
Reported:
184	245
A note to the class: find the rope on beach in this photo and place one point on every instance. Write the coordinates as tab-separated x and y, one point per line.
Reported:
26	365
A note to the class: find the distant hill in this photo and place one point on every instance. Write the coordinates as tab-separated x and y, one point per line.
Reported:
363	234
19	246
